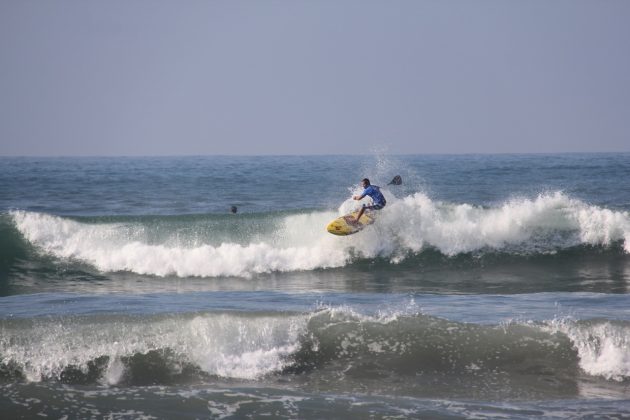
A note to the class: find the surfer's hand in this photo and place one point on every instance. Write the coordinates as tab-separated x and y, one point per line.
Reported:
355	197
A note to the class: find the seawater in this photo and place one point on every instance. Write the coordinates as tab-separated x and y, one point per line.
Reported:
489	286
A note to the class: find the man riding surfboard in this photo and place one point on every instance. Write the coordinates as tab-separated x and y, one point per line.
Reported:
374	192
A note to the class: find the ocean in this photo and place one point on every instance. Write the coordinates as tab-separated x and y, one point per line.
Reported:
489	286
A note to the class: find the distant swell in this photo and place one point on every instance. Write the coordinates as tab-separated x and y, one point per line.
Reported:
240	246
332	342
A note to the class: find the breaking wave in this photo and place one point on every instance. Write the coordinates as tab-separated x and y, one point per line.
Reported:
333	342
244	245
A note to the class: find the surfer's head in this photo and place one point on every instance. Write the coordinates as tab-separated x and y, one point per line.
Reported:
365	182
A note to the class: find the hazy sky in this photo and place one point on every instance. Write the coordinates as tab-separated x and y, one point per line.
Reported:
300	77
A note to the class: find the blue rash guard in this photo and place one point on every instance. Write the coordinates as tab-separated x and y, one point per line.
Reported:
375	194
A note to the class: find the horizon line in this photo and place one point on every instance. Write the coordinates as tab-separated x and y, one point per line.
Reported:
313	154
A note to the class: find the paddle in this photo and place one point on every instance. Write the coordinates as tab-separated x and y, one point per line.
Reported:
396	181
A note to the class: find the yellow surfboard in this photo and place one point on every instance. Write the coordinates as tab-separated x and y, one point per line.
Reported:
343	225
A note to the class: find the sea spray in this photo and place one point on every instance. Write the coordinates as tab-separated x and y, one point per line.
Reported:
602	346
226	345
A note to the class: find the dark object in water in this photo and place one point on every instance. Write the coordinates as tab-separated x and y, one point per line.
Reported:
233	209
396	181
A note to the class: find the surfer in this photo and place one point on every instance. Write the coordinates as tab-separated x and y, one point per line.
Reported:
374	192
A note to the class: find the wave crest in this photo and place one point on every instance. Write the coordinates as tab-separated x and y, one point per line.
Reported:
329	341
407	226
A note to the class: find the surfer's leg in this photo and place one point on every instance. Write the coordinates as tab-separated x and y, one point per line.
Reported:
369	209
360	213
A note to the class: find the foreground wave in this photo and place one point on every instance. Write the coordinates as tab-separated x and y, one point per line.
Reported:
331	344
243	245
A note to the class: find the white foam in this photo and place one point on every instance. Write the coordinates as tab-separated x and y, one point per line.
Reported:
301	244
406	226
603	347
224	345
544	222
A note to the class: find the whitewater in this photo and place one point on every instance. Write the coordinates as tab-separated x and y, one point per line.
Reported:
547	223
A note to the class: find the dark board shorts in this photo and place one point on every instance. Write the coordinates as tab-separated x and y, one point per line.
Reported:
374	207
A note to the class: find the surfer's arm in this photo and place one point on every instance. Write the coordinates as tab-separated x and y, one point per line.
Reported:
359	197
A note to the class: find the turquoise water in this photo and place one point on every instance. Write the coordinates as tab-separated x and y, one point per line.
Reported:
489	286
